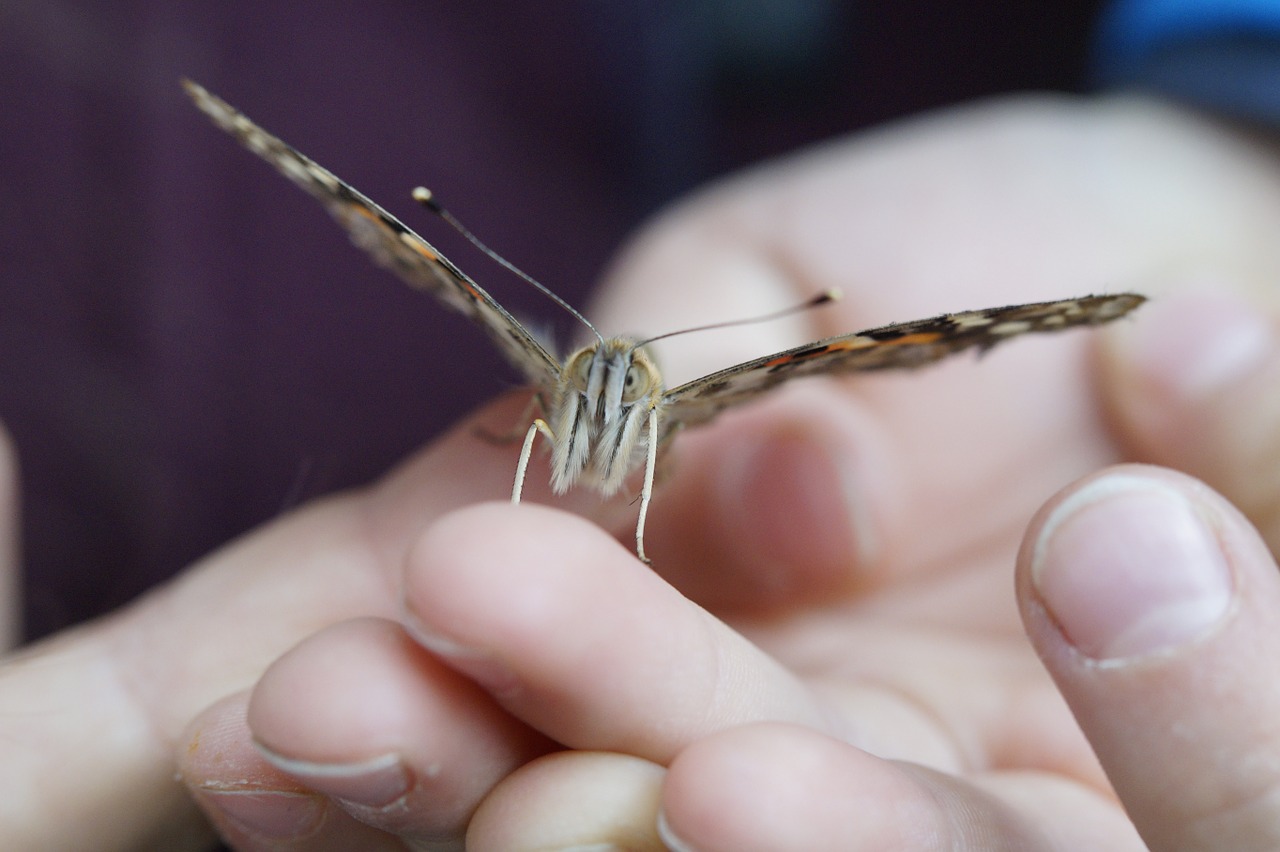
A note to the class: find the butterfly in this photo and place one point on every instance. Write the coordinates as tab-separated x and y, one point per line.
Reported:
606	409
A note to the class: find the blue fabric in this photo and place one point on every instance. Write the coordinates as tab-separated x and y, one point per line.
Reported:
1219	54
1131	31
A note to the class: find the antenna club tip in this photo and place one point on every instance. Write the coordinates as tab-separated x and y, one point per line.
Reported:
835	294
426	198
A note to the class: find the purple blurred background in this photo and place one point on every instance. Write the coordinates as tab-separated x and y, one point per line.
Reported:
188	346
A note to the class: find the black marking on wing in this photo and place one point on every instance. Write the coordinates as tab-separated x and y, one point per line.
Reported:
901	345
391	243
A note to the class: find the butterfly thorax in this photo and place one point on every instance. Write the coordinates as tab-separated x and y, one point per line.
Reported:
602	402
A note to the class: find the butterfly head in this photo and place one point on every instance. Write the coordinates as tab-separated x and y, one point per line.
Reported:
606	393
610	378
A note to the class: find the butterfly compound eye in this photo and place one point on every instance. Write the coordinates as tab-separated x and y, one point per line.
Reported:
637	382
579	370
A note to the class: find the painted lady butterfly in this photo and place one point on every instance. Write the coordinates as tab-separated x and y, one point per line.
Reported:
607	410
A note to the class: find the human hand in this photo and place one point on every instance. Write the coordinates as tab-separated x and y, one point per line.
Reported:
916	655
875	622
93	719
861	676
935	725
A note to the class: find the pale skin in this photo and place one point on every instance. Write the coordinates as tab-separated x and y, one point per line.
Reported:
841	643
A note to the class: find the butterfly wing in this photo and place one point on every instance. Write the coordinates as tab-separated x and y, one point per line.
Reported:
908	344
385	237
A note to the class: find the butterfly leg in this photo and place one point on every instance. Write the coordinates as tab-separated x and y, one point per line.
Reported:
646	490
526	450
511	435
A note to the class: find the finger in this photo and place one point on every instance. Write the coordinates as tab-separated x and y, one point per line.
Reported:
251	803
773	513
785	504
362	714
1152	602
327	562
572	800
146	671
569	632
1194	383
465	465
10	546
769	786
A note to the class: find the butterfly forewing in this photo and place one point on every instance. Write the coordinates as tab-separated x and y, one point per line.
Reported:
385	237
607	408
901	345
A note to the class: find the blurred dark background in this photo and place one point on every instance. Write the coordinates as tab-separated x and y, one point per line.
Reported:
188	346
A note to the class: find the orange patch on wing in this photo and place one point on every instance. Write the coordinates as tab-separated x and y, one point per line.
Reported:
908	339
422	249
785	359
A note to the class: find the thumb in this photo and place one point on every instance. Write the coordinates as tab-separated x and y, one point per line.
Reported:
1194	384
1151	602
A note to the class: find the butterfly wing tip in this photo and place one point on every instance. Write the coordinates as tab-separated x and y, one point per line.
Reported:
1123	305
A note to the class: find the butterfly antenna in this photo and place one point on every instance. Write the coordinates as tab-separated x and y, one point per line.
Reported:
823	298
423	196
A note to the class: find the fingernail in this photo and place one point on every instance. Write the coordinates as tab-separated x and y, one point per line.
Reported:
268	815
796	501
669	838
374	783
483	667
1128	567
1194	342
